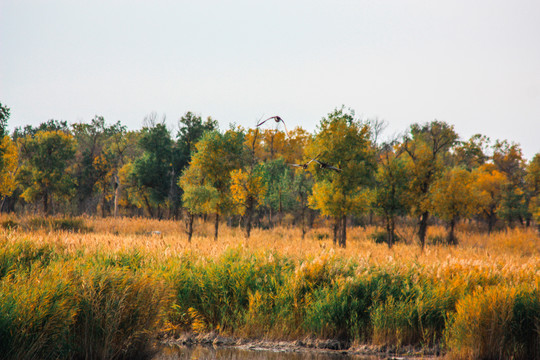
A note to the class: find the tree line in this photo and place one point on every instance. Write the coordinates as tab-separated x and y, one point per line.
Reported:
264	176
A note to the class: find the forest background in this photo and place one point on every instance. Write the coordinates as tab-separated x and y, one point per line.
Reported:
265	176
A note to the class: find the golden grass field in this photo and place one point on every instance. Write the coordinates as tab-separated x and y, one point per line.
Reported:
512	250
475	300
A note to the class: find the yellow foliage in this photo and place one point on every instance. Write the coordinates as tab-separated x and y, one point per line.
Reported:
10	160
454	195
247	189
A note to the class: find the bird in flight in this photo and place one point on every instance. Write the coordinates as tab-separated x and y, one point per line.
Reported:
305	165
327	166
277	119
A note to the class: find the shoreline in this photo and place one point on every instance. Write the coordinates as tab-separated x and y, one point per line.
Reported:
308	345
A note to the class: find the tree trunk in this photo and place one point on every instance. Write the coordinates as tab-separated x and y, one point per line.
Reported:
189	224
343	239
303	223
336	228
249	213
46	203
452	240
216	227
491	221
390	231
422	230
116	193
148	207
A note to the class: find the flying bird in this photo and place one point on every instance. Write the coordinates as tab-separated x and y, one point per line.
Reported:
305	165
277	119
327	166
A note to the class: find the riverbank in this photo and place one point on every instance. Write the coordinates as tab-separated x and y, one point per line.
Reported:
307	346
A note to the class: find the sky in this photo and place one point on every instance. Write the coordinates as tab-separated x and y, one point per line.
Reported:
474	64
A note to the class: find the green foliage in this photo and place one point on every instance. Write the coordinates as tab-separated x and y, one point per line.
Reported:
48	155
4	117
428	151
57	224
152	173
206	182
343	142
110	305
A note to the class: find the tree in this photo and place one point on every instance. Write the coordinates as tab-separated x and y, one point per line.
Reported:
392	180
533	184
342	142
278	180
490	182
206	182
472	153
191	130
45	174
4	117
454	196
151	172
247	183
248	190
9	158
428	147
508	159
96	163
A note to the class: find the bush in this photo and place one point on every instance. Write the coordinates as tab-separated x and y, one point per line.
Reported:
381	237
496	323
65	224
9	224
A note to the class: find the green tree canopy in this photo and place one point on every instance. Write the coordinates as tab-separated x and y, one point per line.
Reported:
428	148
343	142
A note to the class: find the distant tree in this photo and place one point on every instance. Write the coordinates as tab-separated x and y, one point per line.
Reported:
191	130
533	185
248	188
342	142
4	117
206	182
278	180
151	172
45	172
427	148
302	189
390	193
490	182
9	158
508	159
91	166
454	196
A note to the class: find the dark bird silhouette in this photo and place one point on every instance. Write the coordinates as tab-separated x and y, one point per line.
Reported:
277	119
327	166
305	165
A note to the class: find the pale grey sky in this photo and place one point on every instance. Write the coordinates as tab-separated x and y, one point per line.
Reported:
474	64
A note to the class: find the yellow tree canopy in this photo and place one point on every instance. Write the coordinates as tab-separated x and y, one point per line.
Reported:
272	144
10	161
454	195
490	183
247	189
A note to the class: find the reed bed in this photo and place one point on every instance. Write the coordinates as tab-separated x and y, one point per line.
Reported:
106	288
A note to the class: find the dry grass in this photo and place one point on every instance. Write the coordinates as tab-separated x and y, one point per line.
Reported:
510	250
277	284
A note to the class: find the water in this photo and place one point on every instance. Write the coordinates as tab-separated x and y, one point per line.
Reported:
231	353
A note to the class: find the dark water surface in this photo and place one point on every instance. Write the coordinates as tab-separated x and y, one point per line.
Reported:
230	353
